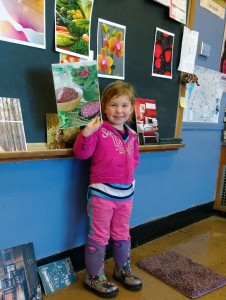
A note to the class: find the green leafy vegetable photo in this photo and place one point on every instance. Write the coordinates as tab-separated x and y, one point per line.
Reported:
73	25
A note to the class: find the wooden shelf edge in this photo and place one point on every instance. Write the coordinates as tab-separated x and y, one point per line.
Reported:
35	155
160	147
40	151
35	151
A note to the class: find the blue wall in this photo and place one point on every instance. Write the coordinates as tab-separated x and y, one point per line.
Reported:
44	201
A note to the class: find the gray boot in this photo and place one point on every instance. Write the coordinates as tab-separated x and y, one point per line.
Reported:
95	279
122	271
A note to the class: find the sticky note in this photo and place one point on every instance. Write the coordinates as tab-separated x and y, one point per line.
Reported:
183	102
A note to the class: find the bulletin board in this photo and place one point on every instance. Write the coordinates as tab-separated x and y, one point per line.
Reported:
26	71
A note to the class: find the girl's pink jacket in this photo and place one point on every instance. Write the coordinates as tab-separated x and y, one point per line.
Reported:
112	160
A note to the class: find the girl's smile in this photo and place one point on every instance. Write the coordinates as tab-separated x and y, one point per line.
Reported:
118	111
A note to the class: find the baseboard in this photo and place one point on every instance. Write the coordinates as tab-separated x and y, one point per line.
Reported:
141	234
159	227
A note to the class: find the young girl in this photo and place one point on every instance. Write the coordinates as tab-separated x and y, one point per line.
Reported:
113	148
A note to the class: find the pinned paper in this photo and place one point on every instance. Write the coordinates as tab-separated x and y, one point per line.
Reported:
183	102
203	102
188	50
213	7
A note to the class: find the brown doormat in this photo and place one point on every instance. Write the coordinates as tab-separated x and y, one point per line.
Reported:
187	277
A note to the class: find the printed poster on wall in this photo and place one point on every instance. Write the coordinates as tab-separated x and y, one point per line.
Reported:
72	27
12	137
77	92
163	54
213	7
203	102
67	58
178	10
23	22
111	49
146	121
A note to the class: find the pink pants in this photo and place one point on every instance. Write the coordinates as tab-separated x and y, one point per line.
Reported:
108	218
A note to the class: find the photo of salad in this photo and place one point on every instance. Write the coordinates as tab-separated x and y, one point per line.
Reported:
77	93
72	26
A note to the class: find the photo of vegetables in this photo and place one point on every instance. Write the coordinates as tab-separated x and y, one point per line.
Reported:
77	92
66	58
72	26
111	49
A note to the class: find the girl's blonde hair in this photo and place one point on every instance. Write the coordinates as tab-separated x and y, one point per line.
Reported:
116	89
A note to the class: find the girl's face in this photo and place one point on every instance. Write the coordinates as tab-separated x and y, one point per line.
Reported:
118	111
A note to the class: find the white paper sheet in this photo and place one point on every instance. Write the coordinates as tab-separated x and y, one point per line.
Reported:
188	50
178	10
164	2
203	102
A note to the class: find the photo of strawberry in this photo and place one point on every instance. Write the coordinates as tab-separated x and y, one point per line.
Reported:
163	54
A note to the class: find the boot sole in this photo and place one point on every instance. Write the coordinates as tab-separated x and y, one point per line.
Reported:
101	294
128	286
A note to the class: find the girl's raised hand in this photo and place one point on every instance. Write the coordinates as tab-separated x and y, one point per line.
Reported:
92	127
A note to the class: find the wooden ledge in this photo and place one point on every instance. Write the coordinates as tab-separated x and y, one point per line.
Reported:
160	147
35	151
38	151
